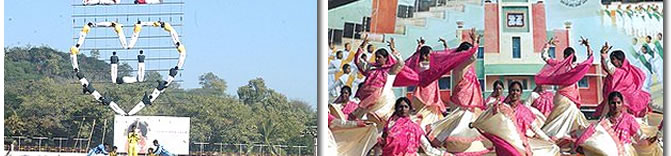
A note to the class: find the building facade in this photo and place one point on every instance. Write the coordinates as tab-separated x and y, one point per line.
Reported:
514	32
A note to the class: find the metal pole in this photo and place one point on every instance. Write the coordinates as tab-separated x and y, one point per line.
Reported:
39	142
60	143
220	146
201	146
19	137
80	130
79	140
91	134
104	130
299	150
239	149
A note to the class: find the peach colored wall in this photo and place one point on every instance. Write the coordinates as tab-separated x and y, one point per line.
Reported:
491	28
539	29
383	16
562	35
590	95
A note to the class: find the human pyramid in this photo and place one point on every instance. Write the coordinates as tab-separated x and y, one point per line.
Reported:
147	99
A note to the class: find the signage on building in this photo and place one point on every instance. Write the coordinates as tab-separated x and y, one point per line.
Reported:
515	20
573	3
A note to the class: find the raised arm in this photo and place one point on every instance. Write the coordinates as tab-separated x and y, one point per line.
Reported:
545	53
585	42
396	68
605	61
442	40
360	64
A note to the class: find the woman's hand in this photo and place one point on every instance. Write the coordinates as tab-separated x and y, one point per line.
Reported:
421	41
364	37
391	43
585	42
442	40
360	123
475	37
550	42
605	48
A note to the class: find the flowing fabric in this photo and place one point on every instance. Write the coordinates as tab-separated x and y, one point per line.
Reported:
332	146
625	127
377	85
645	148
346	137
428	96
544	103
441	63
355	141
561	72
380	106
349	107
467	93
564	118
600	139
403	137
505	127
375	77
454	134
426	99
627	80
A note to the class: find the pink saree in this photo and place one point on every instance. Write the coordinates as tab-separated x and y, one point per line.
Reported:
544	102
441	63
562	73
505	127
403	137
453	132
627	80
604	138
626	127
467	93
372	87
426	96
347	107
490	101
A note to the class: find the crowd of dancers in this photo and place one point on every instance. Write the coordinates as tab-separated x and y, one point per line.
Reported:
365	116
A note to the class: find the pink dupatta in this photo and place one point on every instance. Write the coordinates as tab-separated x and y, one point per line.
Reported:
544	102
442	62
523	118
403	137
378	76
627	80
349	107
467	93
375	80
625	127
562	73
